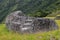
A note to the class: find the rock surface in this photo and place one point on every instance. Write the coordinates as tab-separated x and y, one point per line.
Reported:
18	22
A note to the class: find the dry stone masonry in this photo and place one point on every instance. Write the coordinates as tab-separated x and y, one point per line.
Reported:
18	22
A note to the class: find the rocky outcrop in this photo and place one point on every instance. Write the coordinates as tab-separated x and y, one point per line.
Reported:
18	22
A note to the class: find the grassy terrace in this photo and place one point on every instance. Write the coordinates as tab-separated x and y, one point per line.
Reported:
51	35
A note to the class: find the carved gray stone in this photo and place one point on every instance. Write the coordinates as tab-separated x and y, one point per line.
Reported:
18	22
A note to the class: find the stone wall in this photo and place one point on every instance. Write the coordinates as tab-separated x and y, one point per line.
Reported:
18	22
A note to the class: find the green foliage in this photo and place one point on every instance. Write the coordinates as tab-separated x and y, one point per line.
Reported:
37	14
29	7
54	14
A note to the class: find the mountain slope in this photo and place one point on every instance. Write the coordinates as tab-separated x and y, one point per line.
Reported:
30	7
54	14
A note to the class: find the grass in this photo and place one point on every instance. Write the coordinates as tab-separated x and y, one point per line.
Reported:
58	22
9	35
50	17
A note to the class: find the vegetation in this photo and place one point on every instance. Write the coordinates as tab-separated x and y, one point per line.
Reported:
54	14
37	8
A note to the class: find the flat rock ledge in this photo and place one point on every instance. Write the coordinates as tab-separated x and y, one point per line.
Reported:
18	22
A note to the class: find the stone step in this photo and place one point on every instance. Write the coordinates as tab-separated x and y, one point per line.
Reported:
29	20
16	22
25	28
27	23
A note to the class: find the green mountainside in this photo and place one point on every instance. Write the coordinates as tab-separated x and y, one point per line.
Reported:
37	8
54	14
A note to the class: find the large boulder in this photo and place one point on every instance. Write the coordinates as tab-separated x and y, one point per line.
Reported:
44	24
18	22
